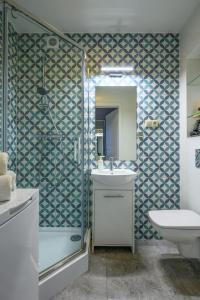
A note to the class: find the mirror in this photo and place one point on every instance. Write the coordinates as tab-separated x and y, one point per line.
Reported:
116	122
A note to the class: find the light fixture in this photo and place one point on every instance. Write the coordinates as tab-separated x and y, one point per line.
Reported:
115	74
116	69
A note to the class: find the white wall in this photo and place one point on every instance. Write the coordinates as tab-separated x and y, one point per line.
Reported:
190	36
189	174
125	98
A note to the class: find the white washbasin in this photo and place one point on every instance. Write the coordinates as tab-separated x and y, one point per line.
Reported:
115	177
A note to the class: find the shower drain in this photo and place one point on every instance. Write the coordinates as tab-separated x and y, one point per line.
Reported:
75	238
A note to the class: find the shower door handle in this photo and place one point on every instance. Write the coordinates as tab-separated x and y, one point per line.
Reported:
77	150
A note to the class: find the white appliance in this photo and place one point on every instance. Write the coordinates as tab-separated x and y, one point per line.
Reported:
19	246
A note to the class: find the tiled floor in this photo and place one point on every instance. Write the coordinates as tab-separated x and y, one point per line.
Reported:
155	272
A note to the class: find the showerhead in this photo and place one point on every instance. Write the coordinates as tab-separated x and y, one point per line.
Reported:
42	91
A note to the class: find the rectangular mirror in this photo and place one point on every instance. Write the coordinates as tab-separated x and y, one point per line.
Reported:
116	122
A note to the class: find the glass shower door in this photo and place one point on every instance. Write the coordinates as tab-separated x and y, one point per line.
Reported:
61	199
47	115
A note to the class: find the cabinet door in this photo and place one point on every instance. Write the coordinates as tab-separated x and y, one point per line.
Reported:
113	217
19	255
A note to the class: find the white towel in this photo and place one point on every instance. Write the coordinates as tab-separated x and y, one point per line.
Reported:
13	176
5	187
3	163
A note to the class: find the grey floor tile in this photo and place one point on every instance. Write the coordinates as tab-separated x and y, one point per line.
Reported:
138	287
97	265
183	275
155	272
85	288
125	268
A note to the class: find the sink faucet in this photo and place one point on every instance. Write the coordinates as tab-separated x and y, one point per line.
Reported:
111	163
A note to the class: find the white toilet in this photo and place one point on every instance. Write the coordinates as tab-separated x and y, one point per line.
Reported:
179	226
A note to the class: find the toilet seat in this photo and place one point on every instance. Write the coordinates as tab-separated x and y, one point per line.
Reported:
175	219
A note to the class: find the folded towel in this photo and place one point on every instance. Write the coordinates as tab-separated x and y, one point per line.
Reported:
5	187
3	163
13	176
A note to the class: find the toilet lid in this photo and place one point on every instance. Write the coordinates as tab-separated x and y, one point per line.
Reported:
179	219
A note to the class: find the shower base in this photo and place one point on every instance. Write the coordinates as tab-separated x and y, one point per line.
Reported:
55	244
64	275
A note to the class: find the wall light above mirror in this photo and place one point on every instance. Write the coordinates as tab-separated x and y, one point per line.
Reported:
116	122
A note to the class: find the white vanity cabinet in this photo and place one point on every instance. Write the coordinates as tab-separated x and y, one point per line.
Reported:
113	213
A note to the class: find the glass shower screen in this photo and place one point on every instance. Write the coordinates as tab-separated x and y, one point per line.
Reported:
45	131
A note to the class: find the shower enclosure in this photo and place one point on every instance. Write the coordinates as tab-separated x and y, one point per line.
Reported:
44	128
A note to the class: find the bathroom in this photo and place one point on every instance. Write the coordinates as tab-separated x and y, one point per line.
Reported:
99	150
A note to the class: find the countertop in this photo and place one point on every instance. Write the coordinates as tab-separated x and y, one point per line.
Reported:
19	198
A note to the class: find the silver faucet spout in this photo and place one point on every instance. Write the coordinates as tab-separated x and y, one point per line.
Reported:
111	163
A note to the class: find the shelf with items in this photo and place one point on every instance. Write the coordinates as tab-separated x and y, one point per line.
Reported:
196	114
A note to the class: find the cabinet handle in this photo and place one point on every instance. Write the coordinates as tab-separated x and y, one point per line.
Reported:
113	196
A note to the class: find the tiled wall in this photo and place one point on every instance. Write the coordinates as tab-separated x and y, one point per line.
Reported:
45	160
155	58
12	97
197	158
12	74
39	158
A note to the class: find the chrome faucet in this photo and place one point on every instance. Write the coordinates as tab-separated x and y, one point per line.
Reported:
111	163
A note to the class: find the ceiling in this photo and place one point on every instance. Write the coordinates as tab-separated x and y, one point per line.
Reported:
113	16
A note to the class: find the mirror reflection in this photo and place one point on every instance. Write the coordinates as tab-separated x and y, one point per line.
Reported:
115	122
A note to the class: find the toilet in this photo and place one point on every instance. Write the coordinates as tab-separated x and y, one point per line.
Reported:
179	226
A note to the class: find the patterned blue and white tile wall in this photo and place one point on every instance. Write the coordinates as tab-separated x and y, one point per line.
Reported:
197	158
12	97
39	158
11	92
43	159
155	58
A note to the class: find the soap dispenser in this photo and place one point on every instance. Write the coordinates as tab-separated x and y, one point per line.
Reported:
100	162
